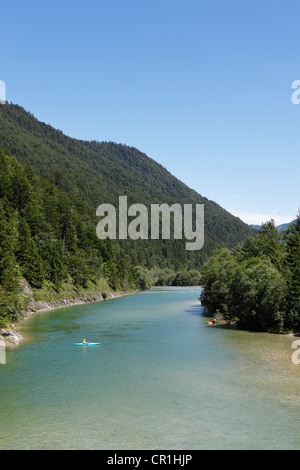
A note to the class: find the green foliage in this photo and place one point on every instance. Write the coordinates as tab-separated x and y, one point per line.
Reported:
50	187
43	239
185	277
217	276
8	244
28	256
11	304
11	300
92	173
266	245
257	285
291	264
145	278
256	296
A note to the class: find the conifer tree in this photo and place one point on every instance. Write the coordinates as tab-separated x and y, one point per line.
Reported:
11	301
8	238
269	240
29	257
292	264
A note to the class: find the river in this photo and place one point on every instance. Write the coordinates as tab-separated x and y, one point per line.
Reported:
162	378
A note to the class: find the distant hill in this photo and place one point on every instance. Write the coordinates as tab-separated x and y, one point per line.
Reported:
91	173
285	226
279	227
50	187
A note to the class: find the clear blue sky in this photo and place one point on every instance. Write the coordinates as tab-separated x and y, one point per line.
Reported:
203	87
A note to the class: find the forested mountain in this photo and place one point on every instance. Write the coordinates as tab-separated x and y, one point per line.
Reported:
282	227
50	187
45	241
98	172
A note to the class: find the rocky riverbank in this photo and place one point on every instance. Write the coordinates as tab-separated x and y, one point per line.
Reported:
11	336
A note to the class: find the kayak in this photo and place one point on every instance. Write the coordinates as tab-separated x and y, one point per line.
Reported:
86	344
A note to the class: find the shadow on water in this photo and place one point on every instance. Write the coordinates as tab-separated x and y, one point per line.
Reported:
202	311
196	310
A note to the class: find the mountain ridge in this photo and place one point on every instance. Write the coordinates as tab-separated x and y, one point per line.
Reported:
98	170
93	172
50	187
280	227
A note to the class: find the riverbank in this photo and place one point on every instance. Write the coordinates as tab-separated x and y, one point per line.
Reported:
222	322
40	300
162	378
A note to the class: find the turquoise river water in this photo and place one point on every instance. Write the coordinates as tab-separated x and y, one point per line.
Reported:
162	378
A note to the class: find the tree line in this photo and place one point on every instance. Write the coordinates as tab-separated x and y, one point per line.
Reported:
49	240
91	173
257	285
44	239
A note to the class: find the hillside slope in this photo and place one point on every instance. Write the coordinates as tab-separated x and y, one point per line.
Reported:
45	242
92	173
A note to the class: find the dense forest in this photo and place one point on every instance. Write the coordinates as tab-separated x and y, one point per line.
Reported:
257	285
44	240
50	187
93	173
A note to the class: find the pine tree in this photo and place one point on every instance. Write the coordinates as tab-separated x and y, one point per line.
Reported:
269	240
11	301
266	244
29	257
292	264
67	225
55	263
8	238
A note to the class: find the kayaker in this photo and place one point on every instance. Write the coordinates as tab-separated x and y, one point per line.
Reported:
84	341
